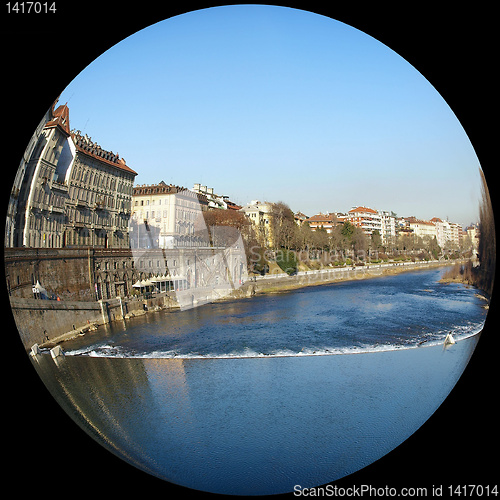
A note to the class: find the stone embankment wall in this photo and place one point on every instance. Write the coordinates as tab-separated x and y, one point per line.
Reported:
66	272
47	322
283	282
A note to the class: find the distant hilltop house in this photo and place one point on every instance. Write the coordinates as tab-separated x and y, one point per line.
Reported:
324	221
445	232
472	232
69	191
300	218
259	214
215	200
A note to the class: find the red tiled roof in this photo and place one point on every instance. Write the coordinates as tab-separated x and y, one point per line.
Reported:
363	209
95	151
322	218
300	215
232	206
60	118
150	189
418	221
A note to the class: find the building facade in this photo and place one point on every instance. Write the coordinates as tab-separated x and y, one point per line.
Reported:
324	221
387	227
366	218
259	215
39	218
100	195
215	200
70	192
422	228
443	231
167	216
12	222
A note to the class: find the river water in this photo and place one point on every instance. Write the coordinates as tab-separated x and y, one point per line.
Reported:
376	314
255	396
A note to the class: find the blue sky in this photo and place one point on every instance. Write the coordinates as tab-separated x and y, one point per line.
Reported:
278	104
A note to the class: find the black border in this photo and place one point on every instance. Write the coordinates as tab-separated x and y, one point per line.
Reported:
452	47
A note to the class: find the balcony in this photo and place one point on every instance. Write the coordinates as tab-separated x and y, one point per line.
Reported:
59	186
56	209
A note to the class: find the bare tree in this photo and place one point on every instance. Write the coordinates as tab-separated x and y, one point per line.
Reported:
283	227
487	240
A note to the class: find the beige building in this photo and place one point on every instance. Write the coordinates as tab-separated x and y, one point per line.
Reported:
172	250
473	234
456	234
167	216
39	214
422	228
100	195
260	215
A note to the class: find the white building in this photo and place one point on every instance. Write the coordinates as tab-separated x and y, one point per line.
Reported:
366	218
215	200
166	216
422	228
387	226
371	220
172	250
447	232
443	231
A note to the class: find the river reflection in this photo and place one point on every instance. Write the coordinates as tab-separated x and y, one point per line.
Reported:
255	425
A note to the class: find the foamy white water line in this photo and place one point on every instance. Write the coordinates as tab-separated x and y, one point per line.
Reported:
109	351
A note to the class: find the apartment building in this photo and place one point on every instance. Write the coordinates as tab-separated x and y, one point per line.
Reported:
70	192
167	216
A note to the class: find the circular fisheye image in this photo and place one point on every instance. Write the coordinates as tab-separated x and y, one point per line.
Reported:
250	250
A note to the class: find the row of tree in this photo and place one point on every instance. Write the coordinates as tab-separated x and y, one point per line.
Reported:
286	243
